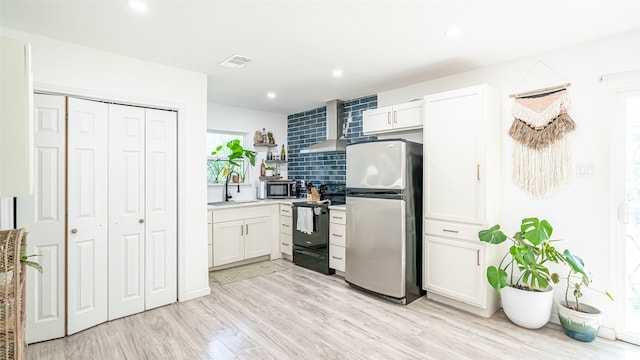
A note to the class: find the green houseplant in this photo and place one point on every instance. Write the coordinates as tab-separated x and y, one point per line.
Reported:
234	152
579	321
522	277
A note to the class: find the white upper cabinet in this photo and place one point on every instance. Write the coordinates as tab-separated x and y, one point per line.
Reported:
16	118
407	116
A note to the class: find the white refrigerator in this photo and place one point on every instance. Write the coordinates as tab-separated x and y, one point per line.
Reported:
384	212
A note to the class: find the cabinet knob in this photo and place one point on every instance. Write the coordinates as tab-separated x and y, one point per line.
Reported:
141	221
74	231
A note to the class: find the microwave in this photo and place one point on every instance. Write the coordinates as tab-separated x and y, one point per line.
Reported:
277	189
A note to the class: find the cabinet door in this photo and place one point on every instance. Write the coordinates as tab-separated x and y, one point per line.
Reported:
126	210
16	119
87	215
376	120
161	208
408	116
454	151
228	242
43	215
210	236
257	237
455	269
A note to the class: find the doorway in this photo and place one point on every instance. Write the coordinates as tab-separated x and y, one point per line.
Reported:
626	185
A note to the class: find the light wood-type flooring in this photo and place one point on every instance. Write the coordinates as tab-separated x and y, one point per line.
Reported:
300	314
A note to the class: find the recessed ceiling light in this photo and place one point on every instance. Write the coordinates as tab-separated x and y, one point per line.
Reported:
337	73
271	95
453	32
138	5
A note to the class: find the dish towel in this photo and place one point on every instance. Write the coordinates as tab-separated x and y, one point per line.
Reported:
305	220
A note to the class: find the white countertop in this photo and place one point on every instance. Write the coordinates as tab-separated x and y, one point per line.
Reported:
241	203
338	207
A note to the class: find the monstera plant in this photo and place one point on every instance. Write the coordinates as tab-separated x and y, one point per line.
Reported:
522	278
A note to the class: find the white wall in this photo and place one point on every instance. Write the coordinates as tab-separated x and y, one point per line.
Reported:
231	118
582	211
70	69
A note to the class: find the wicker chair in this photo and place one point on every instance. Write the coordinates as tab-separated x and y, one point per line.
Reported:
12	295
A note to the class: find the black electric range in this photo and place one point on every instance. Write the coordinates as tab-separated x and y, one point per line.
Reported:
311	228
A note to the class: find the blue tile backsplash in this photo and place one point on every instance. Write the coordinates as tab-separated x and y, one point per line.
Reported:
309	127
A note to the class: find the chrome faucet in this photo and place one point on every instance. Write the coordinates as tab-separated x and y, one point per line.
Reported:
226	186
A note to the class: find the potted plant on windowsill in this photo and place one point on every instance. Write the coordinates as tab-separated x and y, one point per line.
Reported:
579	321
234	152
522	278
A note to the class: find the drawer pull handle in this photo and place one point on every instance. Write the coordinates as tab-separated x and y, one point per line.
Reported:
450	231
478	257
74	231
308	242
337	258
389	118
285	244
247	226
336	235
338	217
241	230
285	225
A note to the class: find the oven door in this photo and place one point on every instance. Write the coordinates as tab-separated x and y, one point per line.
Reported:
319	237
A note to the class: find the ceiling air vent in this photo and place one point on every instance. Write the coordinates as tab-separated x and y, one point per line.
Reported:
236	61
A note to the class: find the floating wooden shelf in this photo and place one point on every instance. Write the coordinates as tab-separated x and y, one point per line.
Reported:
275	161
265	144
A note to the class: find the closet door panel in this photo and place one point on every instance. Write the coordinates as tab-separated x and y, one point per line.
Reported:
87	214
161	206
42	214
126	210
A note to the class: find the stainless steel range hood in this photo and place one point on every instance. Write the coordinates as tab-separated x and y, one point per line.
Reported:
335	141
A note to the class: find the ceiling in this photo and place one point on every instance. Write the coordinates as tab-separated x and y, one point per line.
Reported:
379	45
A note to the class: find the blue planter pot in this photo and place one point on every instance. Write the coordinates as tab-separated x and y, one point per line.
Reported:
579	325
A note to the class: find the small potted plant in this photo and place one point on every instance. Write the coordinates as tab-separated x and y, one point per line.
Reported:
579	321
268	171
522	278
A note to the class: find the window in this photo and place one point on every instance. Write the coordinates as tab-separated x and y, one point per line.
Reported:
218	163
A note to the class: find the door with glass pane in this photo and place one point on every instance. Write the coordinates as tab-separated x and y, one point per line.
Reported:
627	182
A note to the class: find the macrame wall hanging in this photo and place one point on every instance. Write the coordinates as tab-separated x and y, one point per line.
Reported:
541	151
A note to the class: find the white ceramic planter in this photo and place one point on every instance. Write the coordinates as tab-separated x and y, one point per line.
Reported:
268	172
529	309
577	325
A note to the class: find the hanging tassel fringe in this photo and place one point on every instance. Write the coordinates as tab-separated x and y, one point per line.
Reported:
540	171
542	137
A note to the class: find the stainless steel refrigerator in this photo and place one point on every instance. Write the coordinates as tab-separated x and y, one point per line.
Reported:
384	218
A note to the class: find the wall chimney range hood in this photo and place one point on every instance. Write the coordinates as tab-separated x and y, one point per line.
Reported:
335	141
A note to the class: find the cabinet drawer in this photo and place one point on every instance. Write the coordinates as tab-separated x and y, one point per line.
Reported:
286	244
241	213
337	234
337	216
285	225
286	210
452	230
337	257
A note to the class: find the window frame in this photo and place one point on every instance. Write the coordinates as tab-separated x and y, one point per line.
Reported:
246	170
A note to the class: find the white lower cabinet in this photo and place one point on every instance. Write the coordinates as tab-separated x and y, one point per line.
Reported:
241	233
337	239
210	236
455	268
286	229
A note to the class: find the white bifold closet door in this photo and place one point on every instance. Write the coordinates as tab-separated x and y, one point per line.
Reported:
142	209
43	215
87	174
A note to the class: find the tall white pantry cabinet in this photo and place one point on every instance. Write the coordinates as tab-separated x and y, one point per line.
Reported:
462	179
103	215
